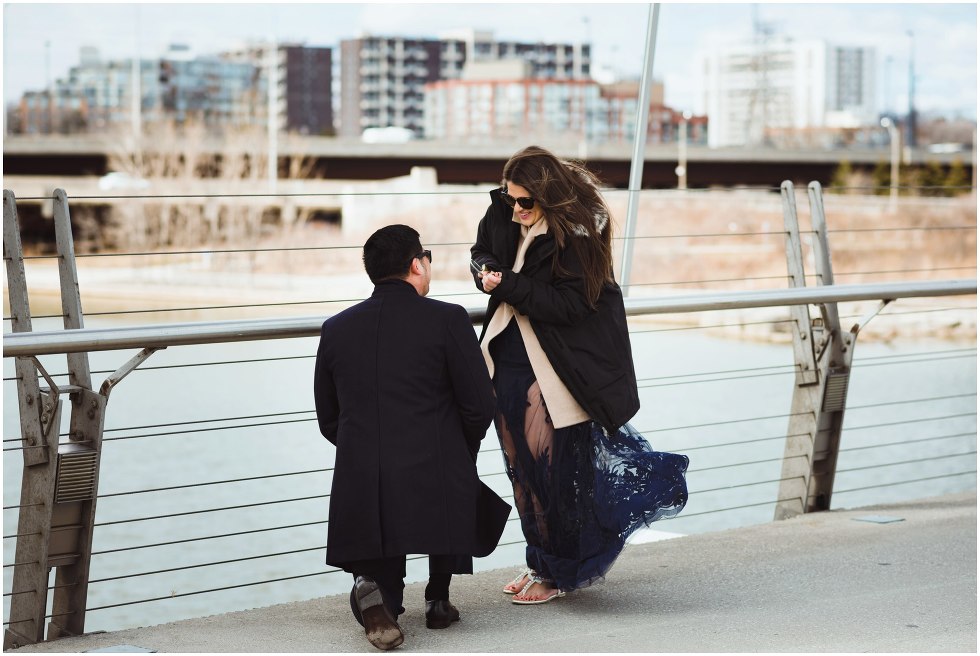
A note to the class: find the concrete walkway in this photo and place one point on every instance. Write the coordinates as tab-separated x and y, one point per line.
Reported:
826	582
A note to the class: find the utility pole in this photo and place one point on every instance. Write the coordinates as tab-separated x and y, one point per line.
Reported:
47	86
273	115
136	103
887	99
910	124
757	116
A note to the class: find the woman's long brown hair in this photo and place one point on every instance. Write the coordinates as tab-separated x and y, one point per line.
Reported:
568	193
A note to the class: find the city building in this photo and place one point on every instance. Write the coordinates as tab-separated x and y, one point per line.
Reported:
219	90
778	90
383	79
493	104
500	101
213	89
304	77
94	96
549	61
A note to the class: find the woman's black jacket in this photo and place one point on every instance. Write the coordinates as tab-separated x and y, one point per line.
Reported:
588	347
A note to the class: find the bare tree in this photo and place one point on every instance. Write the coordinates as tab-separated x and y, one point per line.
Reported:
205	186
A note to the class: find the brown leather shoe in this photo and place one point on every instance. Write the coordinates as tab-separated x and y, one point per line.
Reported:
380	627
439	614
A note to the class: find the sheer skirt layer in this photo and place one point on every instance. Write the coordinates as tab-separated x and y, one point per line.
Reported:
579	491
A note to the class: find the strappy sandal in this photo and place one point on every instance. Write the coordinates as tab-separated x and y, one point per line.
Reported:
514	586
555	593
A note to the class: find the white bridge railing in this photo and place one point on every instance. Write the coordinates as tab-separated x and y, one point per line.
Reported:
192	459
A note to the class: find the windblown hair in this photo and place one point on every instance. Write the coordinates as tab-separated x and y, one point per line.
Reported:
568	194
388	253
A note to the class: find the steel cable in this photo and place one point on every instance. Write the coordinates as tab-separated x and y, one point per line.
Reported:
221	482
906	481
907	462
905	401
905	442
208	430
208	537
211	564
208	510
910	421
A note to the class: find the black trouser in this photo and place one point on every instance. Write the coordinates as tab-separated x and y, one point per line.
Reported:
389	574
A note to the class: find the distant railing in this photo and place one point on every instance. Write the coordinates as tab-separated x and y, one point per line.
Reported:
214	471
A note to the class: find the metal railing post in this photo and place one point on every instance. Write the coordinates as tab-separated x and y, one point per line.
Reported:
639	147
795	477
58	496
78	460
823	358
40	417
837	351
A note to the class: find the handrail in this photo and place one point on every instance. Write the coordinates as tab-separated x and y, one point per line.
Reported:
182	334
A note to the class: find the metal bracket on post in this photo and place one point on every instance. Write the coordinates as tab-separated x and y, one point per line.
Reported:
116	377
50	398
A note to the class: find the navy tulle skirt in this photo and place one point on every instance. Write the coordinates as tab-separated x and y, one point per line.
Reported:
580	492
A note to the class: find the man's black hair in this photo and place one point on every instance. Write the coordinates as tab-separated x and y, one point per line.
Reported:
388	253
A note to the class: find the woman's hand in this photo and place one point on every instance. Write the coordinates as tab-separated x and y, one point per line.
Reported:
490	280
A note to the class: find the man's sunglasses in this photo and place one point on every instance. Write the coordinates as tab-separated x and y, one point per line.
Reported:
526	202
425	253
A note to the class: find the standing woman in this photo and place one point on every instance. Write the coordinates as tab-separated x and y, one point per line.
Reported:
556	343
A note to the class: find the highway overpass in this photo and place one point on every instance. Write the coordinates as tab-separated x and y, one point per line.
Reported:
469	163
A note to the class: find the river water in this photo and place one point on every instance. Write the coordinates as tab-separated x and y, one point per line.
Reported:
919	411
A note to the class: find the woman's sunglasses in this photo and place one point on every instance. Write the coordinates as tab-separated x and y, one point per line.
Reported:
526	202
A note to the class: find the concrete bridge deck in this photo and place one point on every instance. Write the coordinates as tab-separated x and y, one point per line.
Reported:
826	582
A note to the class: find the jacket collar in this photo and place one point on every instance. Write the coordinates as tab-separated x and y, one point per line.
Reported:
394	286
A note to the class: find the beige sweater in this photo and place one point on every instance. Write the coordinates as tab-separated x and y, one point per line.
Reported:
562	406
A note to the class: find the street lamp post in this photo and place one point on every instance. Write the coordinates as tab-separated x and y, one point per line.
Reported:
681	169
895	141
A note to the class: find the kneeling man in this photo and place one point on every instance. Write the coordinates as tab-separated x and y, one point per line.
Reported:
402	391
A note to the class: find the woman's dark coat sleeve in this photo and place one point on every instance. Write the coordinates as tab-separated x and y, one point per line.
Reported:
496	238
560	301
482	251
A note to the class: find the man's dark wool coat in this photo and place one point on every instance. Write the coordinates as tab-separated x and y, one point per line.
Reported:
403	392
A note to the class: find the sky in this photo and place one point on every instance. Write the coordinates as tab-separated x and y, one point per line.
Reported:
43	40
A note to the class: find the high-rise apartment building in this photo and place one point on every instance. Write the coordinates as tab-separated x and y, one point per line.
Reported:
304	76
756	91
548	61
382	82
383	78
